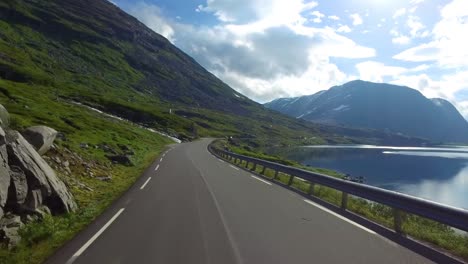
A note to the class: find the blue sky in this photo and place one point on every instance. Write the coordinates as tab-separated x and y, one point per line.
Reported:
267	49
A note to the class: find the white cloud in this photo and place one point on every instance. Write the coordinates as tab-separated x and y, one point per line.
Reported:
357	20
401	39
415	25
344	29
152	17
449	41
318	16
376	71
416	2
400	12
333	17
248	11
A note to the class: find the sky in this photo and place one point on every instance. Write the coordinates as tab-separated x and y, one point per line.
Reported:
267	49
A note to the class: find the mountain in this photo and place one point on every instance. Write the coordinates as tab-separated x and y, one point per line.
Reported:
385	107
93	53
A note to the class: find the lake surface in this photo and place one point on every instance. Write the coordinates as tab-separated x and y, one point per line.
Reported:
438	174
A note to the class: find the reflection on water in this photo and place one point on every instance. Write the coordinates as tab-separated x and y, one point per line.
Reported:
438	174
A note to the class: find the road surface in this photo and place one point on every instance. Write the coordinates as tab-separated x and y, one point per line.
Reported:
190	207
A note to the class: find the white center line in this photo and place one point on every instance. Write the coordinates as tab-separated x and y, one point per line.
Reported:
144	184
339	216
160	160
234	167
157	167
260	179
90	241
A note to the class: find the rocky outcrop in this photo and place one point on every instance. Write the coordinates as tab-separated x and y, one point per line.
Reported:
120	159
4	169
29	187
4	117
43	183
41	137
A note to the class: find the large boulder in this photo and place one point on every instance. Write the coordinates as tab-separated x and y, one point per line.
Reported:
41	137
4	117
43	184
18	191
121	159
4	169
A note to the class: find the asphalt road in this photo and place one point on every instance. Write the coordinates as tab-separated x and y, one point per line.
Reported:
190	207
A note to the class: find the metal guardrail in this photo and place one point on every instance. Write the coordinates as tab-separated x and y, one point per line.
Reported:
451	216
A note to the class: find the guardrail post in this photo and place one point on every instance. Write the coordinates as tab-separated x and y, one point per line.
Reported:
344	200
247	164
291	178
276	175
311	189
263	170
397	220
254	167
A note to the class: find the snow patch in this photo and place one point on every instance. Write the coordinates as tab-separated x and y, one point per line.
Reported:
341	107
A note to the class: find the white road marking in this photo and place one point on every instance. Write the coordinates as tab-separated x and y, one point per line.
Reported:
160	160
234	167
164	155
260	179
339	216
90	241
221	161
144	184
157	167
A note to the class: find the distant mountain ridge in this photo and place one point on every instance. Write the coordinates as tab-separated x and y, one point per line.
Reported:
391	108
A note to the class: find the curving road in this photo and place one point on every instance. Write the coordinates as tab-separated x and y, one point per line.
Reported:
190	207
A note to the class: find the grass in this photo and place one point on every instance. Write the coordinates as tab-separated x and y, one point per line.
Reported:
420	228
31	105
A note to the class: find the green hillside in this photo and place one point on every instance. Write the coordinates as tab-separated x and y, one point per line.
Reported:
94	53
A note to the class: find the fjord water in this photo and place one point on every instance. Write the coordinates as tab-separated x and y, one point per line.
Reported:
437	174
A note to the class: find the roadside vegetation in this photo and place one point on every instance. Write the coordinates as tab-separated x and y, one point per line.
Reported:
94	181
419	228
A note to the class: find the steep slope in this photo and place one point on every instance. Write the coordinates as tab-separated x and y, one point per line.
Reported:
92	52
386	107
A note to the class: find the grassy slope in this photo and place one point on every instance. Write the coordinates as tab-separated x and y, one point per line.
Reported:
92	52
420	228
31	105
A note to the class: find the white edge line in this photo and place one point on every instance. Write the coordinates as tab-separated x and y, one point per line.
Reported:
339	216
260	179
160	159
92	239
221	161
144	184
234	167
157	167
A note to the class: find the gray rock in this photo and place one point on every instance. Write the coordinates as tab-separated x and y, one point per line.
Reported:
120	159
39	174
34	199
41	137
4	117
19	185
1	212
84	145
104	178
4	169
10	236
11	220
